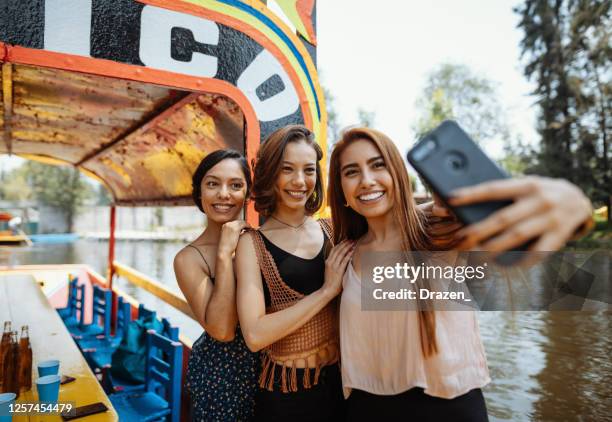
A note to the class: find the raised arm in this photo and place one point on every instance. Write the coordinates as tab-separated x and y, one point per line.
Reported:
214	305
261	329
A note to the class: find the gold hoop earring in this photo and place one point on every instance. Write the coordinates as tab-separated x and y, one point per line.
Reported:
346	204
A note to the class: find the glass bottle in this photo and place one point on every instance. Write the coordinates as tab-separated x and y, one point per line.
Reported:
5	345
11	360
25	360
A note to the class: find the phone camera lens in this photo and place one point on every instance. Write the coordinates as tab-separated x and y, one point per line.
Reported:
456	162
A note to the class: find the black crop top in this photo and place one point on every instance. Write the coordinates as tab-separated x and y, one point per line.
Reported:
302	275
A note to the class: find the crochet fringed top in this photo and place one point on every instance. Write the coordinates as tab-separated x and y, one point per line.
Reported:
317	338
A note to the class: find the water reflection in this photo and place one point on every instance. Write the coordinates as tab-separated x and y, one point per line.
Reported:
576	380
545	366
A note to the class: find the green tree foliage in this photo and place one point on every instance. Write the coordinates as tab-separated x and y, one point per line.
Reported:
567	52
61	187
14	186
453	91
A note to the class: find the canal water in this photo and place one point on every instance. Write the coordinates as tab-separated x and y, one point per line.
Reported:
545	366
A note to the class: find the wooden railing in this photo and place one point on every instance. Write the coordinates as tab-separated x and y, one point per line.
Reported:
154	287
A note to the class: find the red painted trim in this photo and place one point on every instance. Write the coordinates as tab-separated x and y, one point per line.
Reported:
101	67
111	246
3	51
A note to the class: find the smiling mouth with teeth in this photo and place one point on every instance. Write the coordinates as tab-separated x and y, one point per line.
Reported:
296	194
222	207
368	197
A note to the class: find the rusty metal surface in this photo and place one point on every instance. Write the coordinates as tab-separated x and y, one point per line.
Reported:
3	141
144	141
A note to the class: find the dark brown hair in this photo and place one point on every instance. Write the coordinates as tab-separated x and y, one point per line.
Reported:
348	224
267	166
209	162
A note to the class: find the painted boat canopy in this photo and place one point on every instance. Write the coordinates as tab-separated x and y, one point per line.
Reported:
136	93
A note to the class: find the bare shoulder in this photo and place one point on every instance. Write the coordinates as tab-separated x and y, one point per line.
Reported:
246	243
189	258
185	256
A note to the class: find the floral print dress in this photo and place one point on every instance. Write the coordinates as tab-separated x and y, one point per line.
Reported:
222	379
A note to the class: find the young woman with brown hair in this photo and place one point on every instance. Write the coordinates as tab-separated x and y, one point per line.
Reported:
423	365
287	286
221	372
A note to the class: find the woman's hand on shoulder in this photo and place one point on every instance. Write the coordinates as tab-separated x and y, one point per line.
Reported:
544	208
230	233
335	266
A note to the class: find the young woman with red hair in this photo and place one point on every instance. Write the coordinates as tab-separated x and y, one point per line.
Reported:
424	365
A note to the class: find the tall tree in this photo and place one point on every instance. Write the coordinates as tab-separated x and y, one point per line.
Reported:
566	46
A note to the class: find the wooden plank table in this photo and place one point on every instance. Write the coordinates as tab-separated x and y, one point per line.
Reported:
23	302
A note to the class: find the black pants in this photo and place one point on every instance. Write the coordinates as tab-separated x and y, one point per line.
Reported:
320	403
415	405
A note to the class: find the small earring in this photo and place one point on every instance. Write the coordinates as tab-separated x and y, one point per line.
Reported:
346	204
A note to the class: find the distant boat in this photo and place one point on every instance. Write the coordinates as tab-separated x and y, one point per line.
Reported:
9	238
10	234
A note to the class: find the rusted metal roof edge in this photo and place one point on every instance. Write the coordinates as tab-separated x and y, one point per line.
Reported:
156	202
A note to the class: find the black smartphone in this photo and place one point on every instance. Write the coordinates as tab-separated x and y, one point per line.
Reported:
448	159
66	379
90	409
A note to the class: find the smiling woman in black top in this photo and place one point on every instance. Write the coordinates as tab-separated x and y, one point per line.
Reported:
286	286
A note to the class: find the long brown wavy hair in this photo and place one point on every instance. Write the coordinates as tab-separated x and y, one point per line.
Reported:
267	166
348	224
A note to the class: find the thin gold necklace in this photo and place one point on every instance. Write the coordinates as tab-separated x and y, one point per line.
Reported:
290	225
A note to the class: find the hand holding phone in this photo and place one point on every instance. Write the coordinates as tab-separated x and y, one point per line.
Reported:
448	160
503	214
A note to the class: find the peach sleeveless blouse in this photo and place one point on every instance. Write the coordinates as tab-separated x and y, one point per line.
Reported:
381	353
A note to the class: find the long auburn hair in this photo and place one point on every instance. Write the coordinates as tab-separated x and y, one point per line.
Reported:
267	166
348	224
